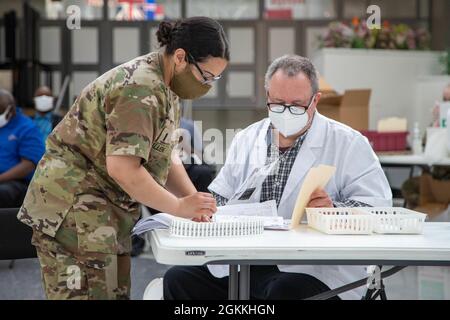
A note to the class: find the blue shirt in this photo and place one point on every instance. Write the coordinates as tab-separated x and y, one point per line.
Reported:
20	138
44	123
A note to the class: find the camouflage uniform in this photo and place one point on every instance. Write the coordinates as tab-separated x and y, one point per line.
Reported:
80	216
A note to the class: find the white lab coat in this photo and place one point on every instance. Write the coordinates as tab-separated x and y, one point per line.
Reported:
358	176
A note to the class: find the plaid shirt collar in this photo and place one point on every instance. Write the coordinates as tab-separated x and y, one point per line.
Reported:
273	185
295	147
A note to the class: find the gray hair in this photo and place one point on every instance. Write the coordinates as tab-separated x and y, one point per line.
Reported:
292	65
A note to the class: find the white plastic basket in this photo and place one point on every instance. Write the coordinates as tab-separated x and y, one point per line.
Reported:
340	220
396	220
244	226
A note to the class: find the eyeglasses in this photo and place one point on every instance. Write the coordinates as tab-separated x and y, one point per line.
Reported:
278	107
207	76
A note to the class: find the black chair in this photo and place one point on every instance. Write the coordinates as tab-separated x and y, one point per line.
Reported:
15	237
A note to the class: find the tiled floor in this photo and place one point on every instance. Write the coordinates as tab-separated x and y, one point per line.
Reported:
23	281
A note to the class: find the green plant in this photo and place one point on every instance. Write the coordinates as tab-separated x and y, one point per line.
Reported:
357	35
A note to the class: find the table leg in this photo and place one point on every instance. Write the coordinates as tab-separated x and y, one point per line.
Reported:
233	283
411	171
411	174
244	282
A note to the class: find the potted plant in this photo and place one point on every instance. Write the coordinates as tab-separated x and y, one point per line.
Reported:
358	35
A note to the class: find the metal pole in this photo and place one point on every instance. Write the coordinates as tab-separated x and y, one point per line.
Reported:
233	283
244	282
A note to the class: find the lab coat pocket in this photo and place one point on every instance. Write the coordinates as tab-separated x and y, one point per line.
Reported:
95	223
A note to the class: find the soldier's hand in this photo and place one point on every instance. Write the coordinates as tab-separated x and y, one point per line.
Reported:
200	206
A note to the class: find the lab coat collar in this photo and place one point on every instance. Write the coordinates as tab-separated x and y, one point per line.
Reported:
258	154
315	138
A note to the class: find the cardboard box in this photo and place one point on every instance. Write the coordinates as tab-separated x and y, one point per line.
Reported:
433	190
434	196
351	108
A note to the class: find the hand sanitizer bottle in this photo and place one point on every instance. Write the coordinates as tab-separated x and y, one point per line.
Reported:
448	130
417	141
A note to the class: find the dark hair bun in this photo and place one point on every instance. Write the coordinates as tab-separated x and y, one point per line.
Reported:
164	33
201	37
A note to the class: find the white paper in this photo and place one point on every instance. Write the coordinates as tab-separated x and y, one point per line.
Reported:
283	225
260	209
436	147
156	221
267	210
269	222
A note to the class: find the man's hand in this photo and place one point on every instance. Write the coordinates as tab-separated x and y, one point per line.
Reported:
320	199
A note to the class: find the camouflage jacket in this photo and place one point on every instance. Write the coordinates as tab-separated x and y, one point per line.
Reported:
126	111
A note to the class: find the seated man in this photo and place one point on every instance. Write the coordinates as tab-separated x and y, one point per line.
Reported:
44	118
21	147
305	139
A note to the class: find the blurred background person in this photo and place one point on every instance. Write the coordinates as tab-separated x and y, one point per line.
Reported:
200	173
21	148
45	119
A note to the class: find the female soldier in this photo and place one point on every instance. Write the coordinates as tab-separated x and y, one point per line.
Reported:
111	152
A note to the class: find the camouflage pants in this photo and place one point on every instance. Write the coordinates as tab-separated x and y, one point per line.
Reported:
67	274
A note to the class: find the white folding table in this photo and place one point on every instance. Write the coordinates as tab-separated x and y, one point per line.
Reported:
305	246
409	160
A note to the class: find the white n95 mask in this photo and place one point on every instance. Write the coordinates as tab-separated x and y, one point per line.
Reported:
287	123
43	103
3	120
